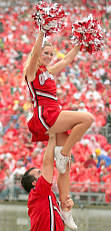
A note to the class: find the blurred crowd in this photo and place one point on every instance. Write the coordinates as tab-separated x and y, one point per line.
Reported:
84	85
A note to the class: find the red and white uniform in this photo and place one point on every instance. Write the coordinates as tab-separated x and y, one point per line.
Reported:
43	208
45	104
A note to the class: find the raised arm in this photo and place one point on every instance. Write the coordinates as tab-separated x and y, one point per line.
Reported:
33	62
59	66
48	160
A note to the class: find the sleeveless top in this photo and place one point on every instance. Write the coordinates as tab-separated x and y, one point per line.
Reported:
43	88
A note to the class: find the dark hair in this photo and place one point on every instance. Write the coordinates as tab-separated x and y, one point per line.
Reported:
27	180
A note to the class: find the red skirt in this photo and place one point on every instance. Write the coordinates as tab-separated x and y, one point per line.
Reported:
43	118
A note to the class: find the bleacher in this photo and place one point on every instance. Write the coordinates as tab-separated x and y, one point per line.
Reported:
16	39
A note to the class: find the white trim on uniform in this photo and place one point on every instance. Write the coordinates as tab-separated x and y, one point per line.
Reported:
52	214
33	94
58	211
46	95
40	117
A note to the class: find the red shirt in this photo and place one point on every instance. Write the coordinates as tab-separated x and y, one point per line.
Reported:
43	88
43	208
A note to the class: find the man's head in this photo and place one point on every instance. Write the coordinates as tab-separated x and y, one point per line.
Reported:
30	178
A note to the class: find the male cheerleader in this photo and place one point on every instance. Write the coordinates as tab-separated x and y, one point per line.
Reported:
43	209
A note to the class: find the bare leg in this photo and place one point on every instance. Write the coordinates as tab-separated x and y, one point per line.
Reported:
63	183
64	189
63	179
77	122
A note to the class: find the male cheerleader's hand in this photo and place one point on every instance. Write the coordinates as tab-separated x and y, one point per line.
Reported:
66	213
67	204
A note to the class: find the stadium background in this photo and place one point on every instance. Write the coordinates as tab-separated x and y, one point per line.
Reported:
85	85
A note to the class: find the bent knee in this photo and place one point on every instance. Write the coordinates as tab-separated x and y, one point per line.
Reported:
89	119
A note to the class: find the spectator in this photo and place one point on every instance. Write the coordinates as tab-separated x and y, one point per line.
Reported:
103	159
88	74
90	162
108	118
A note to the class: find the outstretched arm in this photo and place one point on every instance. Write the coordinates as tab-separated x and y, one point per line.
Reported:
48	160
59	66
33	64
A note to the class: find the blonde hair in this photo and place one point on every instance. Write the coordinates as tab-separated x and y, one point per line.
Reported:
30	55
47	44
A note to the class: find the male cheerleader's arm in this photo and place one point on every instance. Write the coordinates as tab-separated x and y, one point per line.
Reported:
48	160
59	66
34	59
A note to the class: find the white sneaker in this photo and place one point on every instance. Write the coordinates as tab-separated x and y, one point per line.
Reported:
68	219
61	160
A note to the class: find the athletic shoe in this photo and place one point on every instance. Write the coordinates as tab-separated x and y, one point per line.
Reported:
68	219
61	160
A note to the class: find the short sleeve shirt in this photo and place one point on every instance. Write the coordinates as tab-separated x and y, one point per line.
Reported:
43	208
